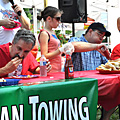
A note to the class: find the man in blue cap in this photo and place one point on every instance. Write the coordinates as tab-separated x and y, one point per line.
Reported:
92	59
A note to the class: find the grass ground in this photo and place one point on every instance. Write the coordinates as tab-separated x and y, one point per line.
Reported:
114	116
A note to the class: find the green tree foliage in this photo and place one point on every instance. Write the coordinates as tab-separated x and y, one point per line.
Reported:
27	11
61	37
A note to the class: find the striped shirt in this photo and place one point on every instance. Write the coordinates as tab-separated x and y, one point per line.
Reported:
86	60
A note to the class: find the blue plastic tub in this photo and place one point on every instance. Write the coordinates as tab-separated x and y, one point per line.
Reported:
10	82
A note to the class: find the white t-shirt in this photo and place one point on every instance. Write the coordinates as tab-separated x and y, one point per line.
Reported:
6	11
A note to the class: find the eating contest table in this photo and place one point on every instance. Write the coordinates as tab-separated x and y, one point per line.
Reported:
53	97
50	98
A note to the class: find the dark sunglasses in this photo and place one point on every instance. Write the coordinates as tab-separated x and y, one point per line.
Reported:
57	18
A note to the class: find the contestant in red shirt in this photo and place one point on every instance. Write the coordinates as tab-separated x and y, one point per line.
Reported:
12	55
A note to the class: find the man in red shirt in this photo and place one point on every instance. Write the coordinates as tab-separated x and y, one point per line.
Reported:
18	53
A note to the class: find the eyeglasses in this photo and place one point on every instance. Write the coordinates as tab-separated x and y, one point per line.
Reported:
101	35
57	18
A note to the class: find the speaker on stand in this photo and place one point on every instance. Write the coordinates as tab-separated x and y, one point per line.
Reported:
74	11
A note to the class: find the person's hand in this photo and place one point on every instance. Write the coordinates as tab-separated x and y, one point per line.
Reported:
17	9
8	23
12	65
67	46
103	50
49	67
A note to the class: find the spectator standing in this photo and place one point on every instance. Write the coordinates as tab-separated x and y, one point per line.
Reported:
7	17
49	43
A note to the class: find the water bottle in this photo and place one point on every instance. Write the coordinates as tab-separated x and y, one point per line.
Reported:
43	70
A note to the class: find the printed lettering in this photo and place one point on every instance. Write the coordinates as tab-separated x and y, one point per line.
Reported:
43	105
15	115
57	113
73	111
4	113
83	100
33	100
65	109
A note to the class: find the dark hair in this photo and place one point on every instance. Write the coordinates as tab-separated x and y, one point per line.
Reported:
25	35
48	11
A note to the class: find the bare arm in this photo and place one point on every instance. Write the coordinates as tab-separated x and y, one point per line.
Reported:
24	22
23	18
8	23
84	47
43	40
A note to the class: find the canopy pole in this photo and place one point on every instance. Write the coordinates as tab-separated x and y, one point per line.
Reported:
45	3
34	20
73	29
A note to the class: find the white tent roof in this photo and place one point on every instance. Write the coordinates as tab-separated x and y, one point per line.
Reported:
96	7
39	4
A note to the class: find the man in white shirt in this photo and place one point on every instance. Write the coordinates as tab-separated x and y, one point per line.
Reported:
7	17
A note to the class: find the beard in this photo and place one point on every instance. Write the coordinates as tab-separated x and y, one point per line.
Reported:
5	1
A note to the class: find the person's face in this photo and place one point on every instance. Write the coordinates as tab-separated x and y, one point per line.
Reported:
56	20
21	48
97	36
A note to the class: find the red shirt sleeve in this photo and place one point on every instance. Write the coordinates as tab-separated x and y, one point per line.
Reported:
29	64
115	52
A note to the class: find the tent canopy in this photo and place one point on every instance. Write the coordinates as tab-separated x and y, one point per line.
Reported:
38	4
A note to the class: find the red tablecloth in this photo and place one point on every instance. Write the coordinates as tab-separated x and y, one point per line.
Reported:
108	85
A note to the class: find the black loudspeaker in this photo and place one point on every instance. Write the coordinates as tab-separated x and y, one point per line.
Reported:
74	11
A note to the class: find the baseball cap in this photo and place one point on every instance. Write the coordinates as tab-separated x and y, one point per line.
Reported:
100	27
